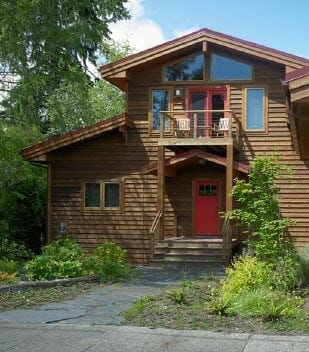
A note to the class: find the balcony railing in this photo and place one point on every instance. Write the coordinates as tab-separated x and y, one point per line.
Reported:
199	127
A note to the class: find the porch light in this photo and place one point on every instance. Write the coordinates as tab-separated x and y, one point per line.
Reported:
178	92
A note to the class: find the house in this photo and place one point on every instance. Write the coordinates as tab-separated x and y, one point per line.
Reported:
156	178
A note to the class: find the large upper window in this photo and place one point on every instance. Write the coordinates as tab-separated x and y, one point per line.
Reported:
160	102
224	69
255	118
190	69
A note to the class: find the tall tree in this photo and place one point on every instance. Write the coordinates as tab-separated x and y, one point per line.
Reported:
46	43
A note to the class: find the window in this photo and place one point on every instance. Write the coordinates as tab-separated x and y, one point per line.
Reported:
112	195
190	69
102	195
160	102
225	69
92	195
254	109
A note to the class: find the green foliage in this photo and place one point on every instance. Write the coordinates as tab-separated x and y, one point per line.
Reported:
8	266
269	304
178	296
259	212
138	307
60	259
259	209
109	262
303	269
22	193
246	274
14	251
41	42
215	304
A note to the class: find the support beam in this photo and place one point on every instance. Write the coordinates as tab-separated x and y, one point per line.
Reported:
227	236
161	189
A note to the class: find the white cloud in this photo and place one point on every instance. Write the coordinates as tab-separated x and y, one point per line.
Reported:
139	31
182	32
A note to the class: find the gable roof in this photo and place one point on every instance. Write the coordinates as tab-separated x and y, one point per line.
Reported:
115	71
37	152
181	160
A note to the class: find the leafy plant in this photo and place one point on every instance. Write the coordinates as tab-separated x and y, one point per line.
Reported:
246	274
178	296
109	262
303	271
259	208
60	259
138	307
268	304
8	266
6	278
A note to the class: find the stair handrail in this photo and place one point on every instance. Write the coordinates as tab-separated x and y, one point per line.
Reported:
152	231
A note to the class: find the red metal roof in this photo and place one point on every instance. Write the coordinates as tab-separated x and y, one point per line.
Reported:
209	32
301	72
196	153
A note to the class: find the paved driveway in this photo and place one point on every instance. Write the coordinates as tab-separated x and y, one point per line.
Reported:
103	305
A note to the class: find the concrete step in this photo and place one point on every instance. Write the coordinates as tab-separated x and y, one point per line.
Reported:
188	251
189	257
185	244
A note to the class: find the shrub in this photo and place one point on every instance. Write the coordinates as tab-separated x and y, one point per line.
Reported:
60	259
246	274
178	296
303	269
265	303
14	251
6	278
8	266
108	262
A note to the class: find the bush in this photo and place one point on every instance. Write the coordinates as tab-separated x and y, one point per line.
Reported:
8	266
62	258
265	303
14	251
108	262
303	269
246	274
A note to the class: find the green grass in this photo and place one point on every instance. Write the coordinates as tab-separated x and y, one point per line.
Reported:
185	307
36	297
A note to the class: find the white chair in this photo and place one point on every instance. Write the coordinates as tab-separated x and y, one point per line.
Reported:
224	126
183	124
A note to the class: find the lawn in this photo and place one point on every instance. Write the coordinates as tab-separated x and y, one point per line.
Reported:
185	307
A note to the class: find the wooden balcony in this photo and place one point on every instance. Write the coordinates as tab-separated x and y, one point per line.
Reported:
199	128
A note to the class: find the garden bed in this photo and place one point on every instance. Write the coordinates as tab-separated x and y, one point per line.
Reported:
185	307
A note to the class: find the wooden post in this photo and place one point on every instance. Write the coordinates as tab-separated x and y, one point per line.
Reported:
161	125
161	188
195	125
227	246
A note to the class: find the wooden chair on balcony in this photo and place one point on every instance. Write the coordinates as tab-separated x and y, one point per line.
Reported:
183	127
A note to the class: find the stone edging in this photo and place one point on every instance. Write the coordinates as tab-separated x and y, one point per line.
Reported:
23	286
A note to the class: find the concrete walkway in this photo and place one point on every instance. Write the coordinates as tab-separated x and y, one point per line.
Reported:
110	338
103	305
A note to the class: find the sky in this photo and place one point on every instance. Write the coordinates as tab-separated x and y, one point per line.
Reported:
279	24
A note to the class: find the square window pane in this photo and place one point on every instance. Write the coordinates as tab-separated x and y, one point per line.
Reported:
201	190
92	194
254	109
112	195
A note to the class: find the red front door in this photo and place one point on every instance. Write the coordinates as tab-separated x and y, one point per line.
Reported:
206	208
